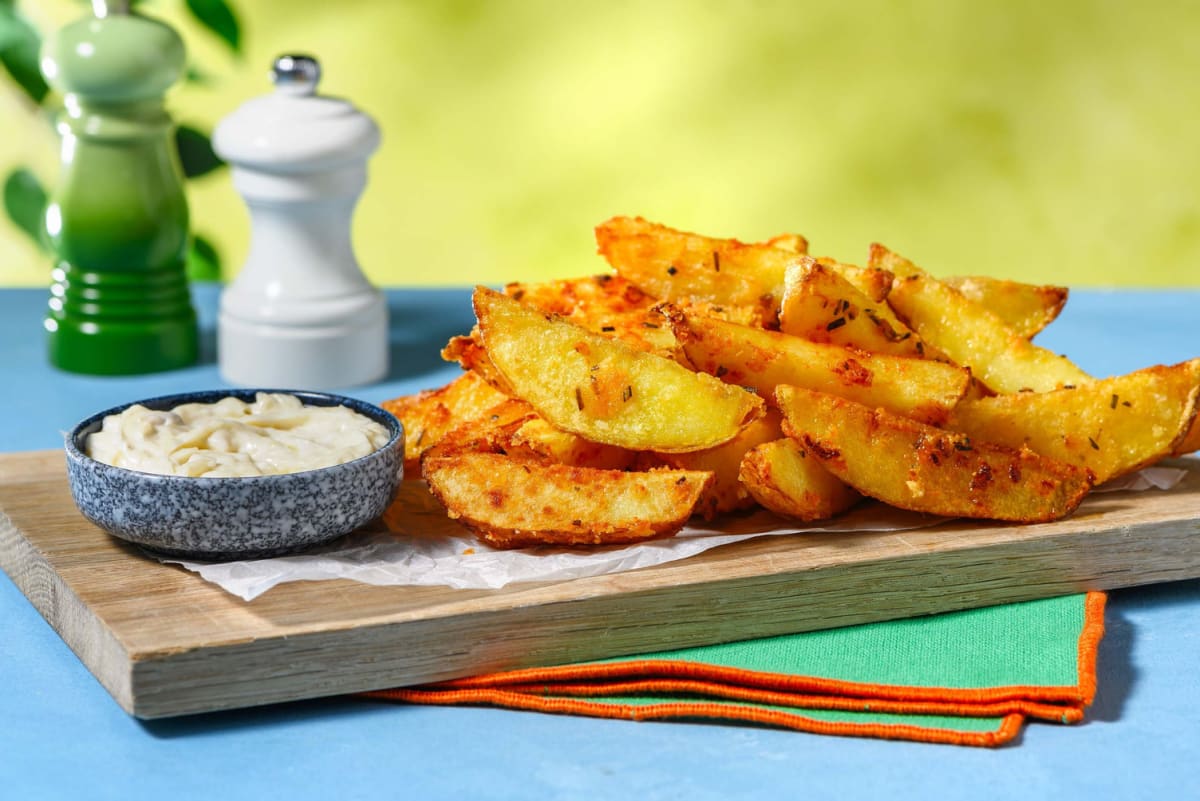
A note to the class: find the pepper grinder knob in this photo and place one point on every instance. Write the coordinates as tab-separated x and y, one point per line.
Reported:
296	75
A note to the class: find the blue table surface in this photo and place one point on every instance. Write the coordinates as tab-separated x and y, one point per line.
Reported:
62	736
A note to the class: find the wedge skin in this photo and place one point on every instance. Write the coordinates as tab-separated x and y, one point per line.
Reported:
603	389
926	469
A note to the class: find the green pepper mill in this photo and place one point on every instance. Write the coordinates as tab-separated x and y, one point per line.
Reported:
117	219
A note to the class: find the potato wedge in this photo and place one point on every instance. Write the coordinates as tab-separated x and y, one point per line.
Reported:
872	282
680	266
538	436
588	297
925	469
431	414
603	304
676	265
517	503
726	493
880	257
970	334
793	242
1190	443
822	306
1028	308
491	432
752	316
604	390
469	353
917	388
782	477
1111	427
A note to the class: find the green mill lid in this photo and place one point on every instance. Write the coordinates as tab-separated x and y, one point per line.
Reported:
114	56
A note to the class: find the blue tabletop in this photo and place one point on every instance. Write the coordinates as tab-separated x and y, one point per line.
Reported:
62	736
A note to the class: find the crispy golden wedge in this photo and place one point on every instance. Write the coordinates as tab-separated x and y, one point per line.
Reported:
681	266
676	265
925	469
917	388
726	493
972	336
490	432
603	304
1028	308
793	242
870	281
469	353
603	389
1111	427
822	306
1191	443
782	477
510	502
538	436
880	257
431	414
589	297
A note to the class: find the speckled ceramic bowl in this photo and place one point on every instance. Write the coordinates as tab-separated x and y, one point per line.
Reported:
235	518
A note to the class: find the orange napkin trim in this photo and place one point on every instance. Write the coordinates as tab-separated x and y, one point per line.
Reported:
565	689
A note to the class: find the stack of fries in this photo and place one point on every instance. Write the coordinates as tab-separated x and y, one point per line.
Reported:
705	376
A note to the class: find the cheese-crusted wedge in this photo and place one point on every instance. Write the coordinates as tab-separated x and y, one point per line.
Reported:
1190	443
1112	427
822	306
603	304
796	243
511	502
680	266
784	478
467	350
922	389
605	390
1028	308
971	335
726	493
926	469
677	265
538	436
431	414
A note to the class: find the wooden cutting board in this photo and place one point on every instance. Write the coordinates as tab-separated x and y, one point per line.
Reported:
164	642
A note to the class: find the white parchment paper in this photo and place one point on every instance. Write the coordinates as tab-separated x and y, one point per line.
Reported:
419	545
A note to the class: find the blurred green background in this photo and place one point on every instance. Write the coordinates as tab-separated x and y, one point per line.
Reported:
1043	141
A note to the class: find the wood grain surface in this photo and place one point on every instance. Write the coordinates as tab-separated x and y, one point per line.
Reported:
164	642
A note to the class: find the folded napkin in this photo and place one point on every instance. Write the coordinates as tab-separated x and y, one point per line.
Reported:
966	678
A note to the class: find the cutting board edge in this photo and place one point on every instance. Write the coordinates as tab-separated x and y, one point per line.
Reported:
145	682
94	643
565	631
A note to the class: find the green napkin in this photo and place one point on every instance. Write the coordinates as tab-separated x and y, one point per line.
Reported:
968	678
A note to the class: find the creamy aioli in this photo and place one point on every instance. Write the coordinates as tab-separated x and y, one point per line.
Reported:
275	434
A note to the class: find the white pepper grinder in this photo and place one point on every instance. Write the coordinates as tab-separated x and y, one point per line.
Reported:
300	313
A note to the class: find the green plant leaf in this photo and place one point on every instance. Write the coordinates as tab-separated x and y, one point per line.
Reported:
203	260
196	76
195	152
19	45
218	17
25	203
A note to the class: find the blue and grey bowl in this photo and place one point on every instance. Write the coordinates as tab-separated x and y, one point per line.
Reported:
235	518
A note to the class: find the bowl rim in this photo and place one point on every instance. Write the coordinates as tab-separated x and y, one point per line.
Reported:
92	422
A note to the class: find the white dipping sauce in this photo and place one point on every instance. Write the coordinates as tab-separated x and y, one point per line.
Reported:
275	434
